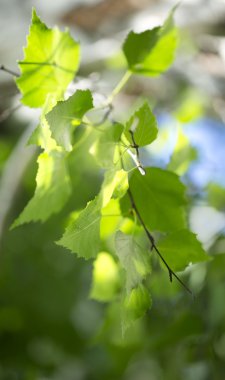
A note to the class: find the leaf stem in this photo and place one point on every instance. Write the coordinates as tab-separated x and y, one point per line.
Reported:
153	245
11	72
119	87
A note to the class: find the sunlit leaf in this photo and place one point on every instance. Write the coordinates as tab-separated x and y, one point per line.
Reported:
52	191
106	280
82	236
51	59
181	248
159	196
152	51
111	218
142	125
61	116
42	135
115	185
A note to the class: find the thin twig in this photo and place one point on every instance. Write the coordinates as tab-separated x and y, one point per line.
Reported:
153	245
11	72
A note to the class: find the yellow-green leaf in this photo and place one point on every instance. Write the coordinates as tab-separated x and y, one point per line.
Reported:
51	59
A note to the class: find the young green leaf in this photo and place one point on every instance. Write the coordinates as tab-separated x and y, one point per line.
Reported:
142	126
134	305
82	236
52	191
152	51
160	200
60	117
134	259
106	280
41	135
181	248
51	59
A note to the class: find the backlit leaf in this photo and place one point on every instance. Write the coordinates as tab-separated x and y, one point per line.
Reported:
115	185
82	236
143	126
52	191
152	51
105	146
51	59
61	116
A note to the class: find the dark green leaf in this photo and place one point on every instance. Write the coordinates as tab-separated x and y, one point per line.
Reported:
159	196
181	248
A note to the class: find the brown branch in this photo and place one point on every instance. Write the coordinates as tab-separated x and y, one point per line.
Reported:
11	72
153	245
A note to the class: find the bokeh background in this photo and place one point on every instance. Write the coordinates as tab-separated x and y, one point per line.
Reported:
50	329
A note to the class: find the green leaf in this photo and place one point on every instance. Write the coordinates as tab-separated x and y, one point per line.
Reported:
104	148
134	259
159	197
134	305
83	235
111	218
115	185
106	280
51	59
151	52
142	125
41	135
60	117
181	248
52	191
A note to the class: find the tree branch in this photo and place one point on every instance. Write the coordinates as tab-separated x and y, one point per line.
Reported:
153	245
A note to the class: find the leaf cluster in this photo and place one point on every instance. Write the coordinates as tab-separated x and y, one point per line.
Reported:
138	209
